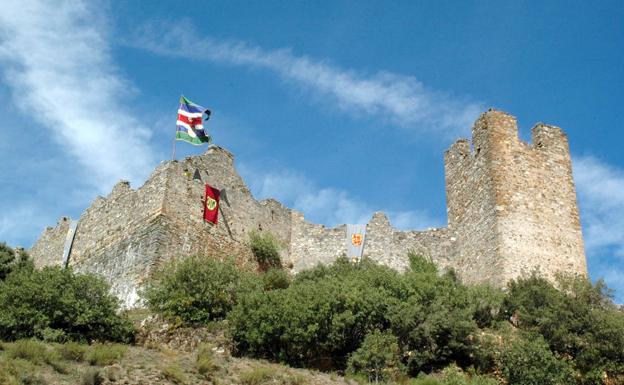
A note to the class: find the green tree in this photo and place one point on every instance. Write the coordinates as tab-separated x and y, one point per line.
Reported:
433	318
319	319
198	289
529	361
275	279
12	259
379	357
55	303
578	321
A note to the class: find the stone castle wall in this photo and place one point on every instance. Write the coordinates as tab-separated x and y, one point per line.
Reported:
511	208
511	204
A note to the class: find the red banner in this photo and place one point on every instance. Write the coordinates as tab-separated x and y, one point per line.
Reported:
211	204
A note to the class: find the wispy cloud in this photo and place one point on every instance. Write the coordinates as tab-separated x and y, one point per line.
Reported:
56	59
326	205
22	219
600	189
601	197
399	99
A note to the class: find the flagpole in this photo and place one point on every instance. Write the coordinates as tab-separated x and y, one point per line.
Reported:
174	138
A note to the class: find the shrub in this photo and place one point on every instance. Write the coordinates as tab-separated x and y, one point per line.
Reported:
378	358
425	380
455	376
578	316
420	264
198	289
105	354
529	361
265	249
486	302
433	321
275	279
56	303
319	319
12	260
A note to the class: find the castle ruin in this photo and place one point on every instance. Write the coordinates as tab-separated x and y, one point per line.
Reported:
511	210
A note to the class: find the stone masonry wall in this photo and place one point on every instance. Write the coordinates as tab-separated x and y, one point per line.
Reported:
512	205
511	208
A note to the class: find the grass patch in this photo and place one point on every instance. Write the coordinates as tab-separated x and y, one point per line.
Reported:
37	353
205	362
29	350
92	376
174	374
16	371
257	376
294	379
72	351
105	354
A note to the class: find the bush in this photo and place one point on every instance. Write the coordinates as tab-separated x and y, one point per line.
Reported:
433	320
198	289
420	264
378	358
578	316
265	249
275	279
319	319
486	302
529	361
105	354
12	260
453	375
56	303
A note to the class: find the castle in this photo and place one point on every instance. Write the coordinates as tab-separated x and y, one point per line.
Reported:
511	209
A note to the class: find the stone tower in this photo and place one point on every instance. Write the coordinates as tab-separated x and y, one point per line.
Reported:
512	205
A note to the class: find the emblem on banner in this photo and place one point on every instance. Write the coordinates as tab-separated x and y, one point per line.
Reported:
356	239
210	203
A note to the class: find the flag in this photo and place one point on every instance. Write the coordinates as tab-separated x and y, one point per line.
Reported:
189	125
355	242
211	204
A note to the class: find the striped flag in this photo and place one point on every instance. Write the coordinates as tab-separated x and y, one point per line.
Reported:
189	125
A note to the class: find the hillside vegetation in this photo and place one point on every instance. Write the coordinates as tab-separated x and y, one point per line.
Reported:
363	321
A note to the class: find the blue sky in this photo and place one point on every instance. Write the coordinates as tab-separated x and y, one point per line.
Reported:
337	108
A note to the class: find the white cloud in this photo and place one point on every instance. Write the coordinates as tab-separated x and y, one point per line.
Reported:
56	59
19	220
326	205
402	100
600	188
601	197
